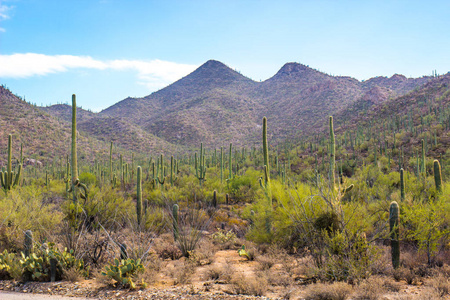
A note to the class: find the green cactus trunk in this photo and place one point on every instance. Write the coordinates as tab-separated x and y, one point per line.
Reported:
171	170
74	149
221	165
214	200
7	178
139	196
28	243
394	221
332	155
176	229
402	185
230	163
110	163
437	175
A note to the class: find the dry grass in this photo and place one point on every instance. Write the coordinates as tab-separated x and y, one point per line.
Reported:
182	272
266	261
441	285
165	247
219	272
72	275
371	289
278	278
334	291
406	274
204	254
100	278
244	285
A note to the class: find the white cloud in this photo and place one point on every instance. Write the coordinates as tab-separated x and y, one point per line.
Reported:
4	9
153	74
156	73
4	14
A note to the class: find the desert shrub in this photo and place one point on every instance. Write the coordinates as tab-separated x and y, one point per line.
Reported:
204	254
244	285
88	179
164	246
191	223
182	272
332	232
24	209
224	239
219	272
441	285
104	207
371	289
241	189
334	291
428	223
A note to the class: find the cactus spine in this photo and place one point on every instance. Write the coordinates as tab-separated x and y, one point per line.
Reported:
139	196
437	175
175	221
394	220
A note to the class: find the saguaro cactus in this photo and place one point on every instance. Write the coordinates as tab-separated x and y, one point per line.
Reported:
332	154
28	243
139	196
200	168
7	178
437	175
394	220
402	185
175	221
76	184
214	200
161	179
265	181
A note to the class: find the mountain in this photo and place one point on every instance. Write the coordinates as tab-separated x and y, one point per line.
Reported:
43	137
423	113
217	106
64	112
209	105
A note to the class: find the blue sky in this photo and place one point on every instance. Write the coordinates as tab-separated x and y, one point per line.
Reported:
107	50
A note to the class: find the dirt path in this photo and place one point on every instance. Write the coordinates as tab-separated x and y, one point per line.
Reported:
23	296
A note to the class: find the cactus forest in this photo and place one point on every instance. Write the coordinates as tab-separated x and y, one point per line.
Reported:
348	209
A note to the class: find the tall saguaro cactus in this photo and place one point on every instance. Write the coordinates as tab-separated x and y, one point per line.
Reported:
265	181
139	196
200	168
76	184
394	232
402	185
175	221
8	179
332	154
437	175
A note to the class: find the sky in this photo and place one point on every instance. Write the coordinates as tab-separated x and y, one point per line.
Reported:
107	50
